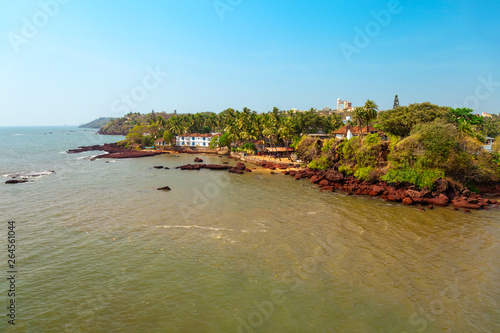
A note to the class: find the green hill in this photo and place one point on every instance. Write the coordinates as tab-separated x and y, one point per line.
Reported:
97	123
121	126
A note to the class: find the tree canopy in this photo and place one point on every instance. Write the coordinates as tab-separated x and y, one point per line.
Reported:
400	121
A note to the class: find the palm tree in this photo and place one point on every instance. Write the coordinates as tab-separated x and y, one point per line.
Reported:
176	125
285	131
359	115
370	112
270	127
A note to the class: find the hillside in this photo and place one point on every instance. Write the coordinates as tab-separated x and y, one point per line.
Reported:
97	123
121	126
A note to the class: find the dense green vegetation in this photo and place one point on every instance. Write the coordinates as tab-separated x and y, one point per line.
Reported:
97	123
427	142
123	125
491	126
276	127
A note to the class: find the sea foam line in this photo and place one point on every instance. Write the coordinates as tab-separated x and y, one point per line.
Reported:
192	226
32	174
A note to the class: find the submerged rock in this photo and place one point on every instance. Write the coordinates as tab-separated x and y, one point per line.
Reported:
16	181
165	188
216	167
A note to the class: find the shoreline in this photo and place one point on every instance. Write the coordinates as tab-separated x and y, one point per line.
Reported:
407	194
329	181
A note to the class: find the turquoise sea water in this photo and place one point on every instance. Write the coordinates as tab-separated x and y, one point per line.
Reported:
99	249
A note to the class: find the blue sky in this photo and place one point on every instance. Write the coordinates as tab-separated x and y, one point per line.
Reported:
71	61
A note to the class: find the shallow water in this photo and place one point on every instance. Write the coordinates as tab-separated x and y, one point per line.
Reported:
101	250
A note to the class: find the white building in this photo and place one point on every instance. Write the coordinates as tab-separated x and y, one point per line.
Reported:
344	105
194	139
488	143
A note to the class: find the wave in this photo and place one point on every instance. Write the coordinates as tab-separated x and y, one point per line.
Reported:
193	226
16	134
32	174
86	157
206	228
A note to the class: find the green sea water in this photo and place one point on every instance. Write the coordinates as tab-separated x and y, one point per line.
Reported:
99	249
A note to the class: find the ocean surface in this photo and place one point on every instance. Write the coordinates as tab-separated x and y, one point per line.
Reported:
99	249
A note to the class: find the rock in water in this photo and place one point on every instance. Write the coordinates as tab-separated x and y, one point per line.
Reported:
166	188
197	159
158	167
16	181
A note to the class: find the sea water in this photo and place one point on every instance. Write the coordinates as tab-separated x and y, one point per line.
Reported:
100	249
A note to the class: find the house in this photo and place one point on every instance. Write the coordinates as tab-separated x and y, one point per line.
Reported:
277	151
488	143
160	142
195	139
347	119
356	130
321	136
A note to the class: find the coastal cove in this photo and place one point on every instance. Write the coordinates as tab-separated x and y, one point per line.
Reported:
103	250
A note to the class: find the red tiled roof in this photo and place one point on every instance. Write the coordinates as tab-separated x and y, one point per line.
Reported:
356	130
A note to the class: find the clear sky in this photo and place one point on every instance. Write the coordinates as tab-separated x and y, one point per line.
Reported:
71	61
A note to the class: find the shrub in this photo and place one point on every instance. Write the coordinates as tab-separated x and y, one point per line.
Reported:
361	156
248	148
421	178
366	174
321	163
307	149
346	169
440	146
328	145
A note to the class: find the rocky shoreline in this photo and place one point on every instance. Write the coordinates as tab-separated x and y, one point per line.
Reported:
407	194
113	150
443	195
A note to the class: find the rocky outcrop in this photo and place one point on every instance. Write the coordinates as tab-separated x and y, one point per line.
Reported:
407	194
25	177
17	181
165	188
114	151
217	167
240	168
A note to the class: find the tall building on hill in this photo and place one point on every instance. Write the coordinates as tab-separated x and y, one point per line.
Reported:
344	105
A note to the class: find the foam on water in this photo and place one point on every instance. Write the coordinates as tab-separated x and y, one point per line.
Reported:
32	174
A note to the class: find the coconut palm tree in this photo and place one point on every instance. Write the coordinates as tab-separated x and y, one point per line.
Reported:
359	115
370	112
